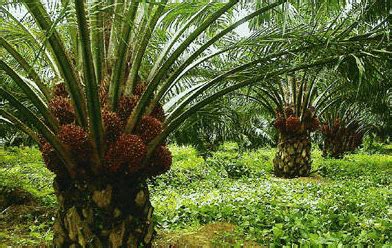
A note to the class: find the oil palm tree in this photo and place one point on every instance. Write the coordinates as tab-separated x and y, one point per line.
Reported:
343	128
294	102
364	107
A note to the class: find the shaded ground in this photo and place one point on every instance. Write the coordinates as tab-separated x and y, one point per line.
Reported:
25	225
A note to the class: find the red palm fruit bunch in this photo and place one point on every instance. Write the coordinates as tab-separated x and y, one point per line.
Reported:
310	119
112	125
126	105
161	161
325	129
62	109
158	113
149	128
315	124
288	111
60	90
76	139
139	89
334	129
127	152
280	122
293	124
52	161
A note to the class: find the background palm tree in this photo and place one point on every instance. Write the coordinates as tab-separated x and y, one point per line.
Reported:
294	104
343	128
231	118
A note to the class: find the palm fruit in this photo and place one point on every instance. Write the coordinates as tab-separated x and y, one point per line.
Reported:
112	125
76	139
280	123
288	111
149	128
336	124
158	112
293	124
129	150
126	105
161	161
52	161
139	89
325	129
315	124
60	90
72	135
61	108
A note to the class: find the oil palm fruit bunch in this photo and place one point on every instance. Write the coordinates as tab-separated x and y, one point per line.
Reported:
336	138
124	153
112	91
291	124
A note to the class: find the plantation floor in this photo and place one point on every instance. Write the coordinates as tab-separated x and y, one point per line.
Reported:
230	199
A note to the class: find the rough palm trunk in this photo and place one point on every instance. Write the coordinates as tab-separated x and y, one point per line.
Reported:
293	157
334	148
103	212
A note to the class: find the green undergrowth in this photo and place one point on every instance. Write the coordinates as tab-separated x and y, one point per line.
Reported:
230	199
27	201
345	202
24	170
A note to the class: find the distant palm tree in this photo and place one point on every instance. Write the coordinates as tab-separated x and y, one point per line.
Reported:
294	104
343	128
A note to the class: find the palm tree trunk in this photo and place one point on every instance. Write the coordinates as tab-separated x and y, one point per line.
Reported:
293	157
334	147
103	213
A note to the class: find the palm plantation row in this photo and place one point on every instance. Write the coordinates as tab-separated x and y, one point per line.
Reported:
100	86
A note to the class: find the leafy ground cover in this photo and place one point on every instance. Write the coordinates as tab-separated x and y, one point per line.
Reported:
229	199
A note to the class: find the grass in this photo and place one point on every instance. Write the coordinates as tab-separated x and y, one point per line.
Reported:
231	199
27	202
